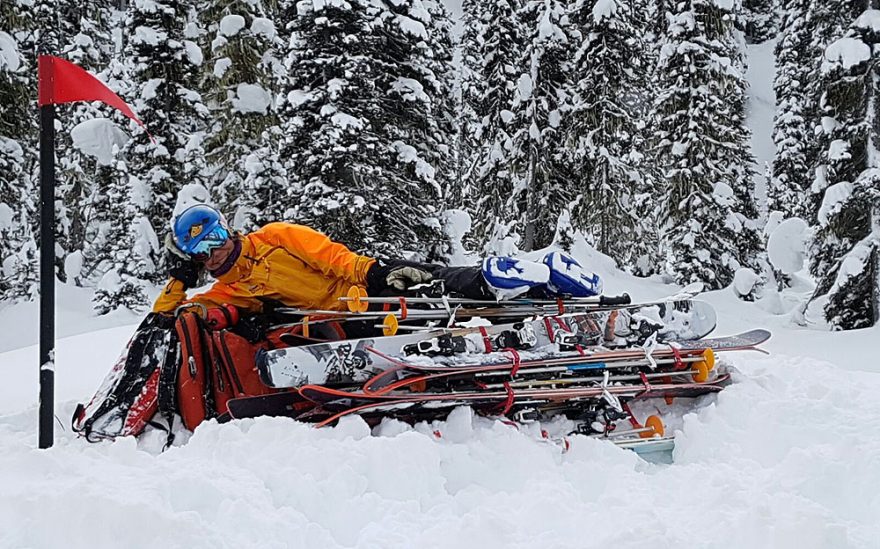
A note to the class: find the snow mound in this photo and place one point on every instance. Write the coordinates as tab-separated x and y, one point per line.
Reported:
745	282
845	53
834	196
9	57
97	137
251	98
230	25
787	245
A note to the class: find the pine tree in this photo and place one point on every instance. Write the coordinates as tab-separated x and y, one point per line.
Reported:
241	87
845	256
793	125
492	46
541	101
88	43
161	68
603	128
358	122
828	21
128	252
759	20
18	191
702	144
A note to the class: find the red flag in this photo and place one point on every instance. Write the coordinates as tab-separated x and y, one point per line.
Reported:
63	82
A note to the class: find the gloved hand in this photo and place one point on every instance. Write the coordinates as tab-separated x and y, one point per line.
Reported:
396	276
181	266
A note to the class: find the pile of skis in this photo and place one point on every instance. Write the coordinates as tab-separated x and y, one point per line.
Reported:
586	359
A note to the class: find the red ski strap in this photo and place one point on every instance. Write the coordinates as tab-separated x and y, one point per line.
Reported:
632	419
403	310
676	354
486	340
561	305
549	328
517	361
508	403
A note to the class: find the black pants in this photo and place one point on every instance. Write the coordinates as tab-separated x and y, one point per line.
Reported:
464	281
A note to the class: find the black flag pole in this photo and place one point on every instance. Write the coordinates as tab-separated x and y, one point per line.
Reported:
47	275
60	82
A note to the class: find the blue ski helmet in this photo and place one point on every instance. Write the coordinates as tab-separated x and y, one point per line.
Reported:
199	229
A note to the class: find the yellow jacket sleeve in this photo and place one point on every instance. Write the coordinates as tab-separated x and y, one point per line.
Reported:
173	296
318	251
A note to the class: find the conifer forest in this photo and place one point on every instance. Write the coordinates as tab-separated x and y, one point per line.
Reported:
621	123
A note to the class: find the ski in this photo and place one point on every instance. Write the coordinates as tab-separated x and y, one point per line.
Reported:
357	360
329	401
419	407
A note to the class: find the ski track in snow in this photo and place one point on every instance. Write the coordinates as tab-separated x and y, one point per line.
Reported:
787	456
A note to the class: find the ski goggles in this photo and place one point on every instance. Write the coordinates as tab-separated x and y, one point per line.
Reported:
216	238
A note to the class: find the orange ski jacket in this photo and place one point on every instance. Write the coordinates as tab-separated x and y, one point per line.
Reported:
283	262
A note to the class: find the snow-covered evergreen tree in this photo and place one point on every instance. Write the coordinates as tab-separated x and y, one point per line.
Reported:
18	189
130	245
603	129
759	19
161	68
89	44
358	120
702	144
543	188
242	77
492	46
845	256
828	21
793	125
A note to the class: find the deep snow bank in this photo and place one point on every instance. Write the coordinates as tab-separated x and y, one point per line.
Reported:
786	457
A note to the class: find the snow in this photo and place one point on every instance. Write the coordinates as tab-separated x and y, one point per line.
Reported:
834	196
413	27
10	60
604	9
782	458
231	24
845	53
407	153
299	97
221	66
96	137
838	150
745	282
190	195
73	264
410	89
193	52
263	26
525	87
787	245
251	98
148	35
869	20
7	216
343	120
760	110
723	193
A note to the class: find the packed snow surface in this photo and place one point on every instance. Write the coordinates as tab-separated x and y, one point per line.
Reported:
784	457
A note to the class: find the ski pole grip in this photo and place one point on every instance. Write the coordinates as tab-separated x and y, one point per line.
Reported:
613	300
